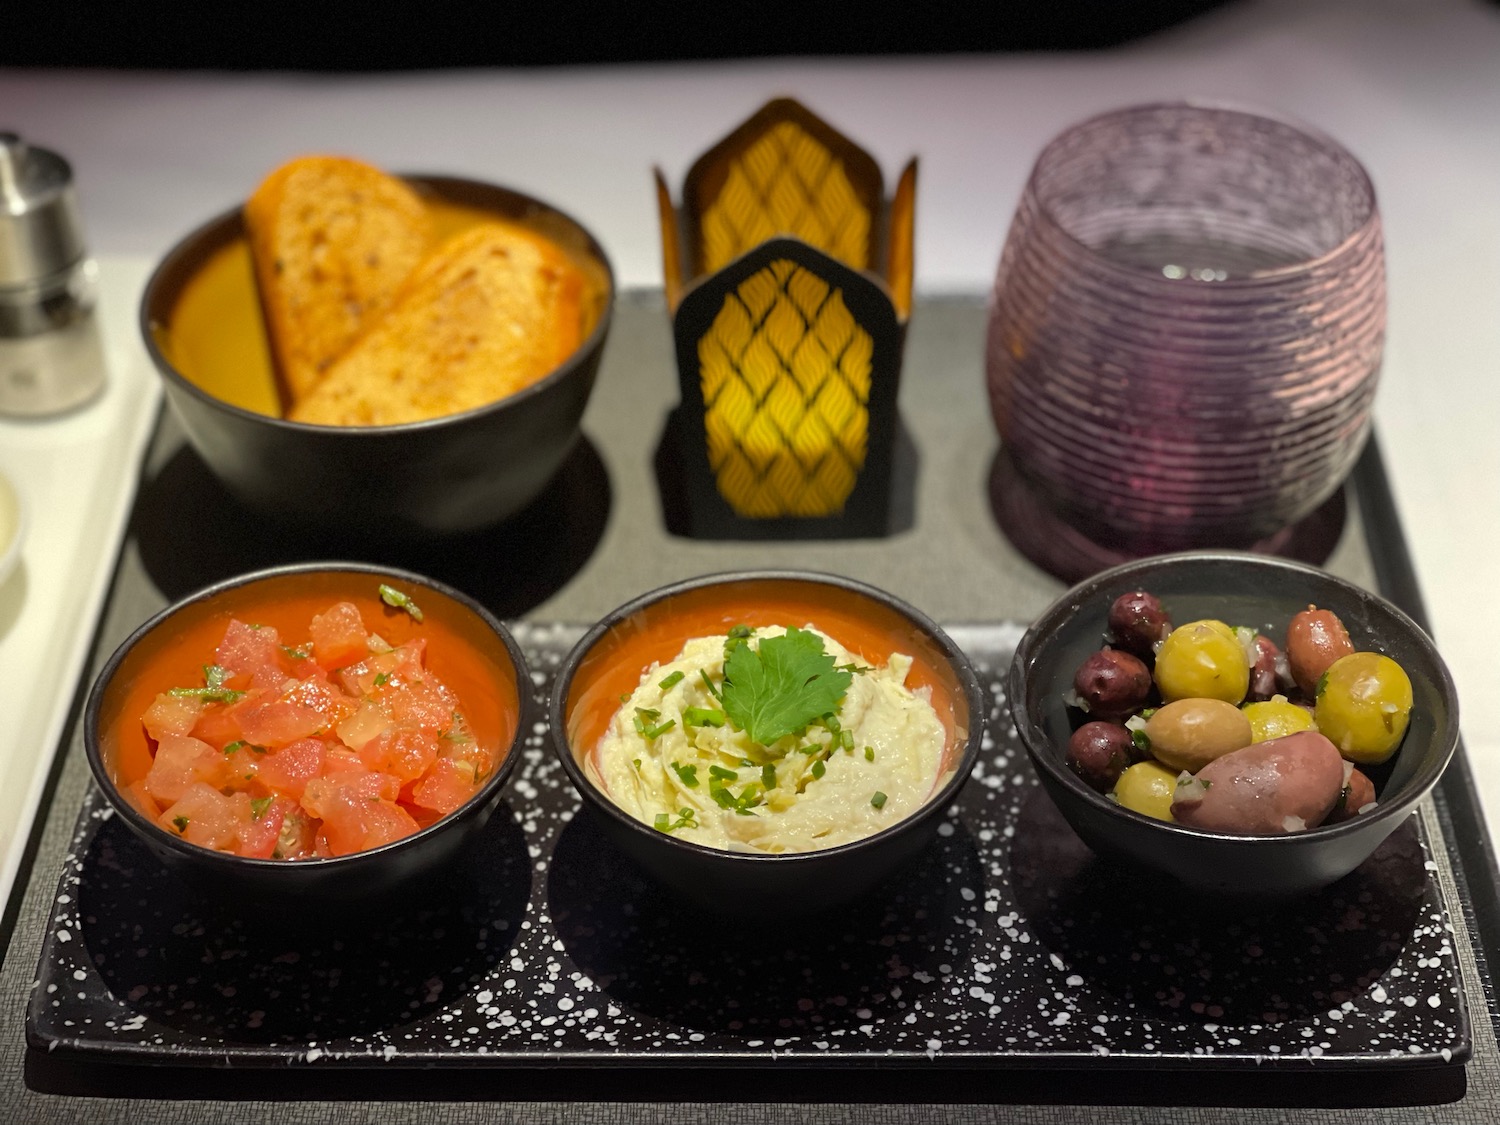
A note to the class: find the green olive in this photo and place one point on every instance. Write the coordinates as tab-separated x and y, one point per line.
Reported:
1275	718
1147	787
1364	702
1190	733
1202	660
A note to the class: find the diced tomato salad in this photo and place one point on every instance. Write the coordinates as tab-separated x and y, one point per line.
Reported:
326	746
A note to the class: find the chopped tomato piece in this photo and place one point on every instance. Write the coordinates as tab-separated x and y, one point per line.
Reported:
278	722
253	651
171	714
206	817
404	753
289	769
339	637
447	785
259	837
138	795
217	725
181	763
368	723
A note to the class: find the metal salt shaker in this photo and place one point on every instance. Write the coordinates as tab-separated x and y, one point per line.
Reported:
51	358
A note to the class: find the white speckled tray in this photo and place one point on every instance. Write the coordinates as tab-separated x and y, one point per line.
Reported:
1005	945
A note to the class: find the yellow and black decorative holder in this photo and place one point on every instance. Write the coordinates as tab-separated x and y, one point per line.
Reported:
788	278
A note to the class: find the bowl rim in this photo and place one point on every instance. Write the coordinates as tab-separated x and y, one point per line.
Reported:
957	660
229	222
1372	219
1044	753
231	861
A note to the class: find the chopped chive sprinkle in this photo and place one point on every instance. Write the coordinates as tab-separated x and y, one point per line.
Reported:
869	753
878	800
702	717
846	739
625	698
397	600
653	733
768	776
818	768
687	774
180	823
671	681
259	806
233	746
685	819
382	678
709	684
722	774
637	763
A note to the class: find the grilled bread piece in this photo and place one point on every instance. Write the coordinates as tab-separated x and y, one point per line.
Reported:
333	240
490	312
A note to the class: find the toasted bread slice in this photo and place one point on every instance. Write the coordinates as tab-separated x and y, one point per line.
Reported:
492	311
333	239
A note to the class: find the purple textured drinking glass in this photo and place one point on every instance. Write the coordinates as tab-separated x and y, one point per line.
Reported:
1186	327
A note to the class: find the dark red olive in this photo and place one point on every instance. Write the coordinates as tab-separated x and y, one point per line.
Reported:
1099	752
1139	623
1359	791
1112	684
1264	682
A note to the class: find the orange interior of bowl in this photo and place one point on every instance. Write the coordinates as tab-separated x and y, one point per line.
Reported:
215	337
655	634
461	650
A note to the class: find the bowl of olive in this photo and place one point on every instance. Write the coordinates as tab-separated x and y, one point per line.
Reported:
1249	725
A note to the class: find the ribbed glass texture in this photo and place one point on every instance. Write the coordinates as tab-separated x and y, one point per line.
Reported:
1187	324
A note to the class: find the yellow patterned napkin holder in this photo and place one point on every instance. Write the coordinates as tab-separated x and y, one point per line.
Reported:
788	277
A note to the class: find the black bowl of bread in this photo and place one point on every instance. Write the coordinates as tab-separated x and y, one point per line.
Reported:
404	355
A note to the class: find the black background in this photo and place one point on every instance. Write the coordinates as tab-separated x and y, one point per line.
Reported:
402	34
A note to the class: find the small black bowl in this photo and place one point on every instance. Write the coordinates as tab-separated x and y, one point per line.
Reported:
446	475
1241	589
612	656
338	881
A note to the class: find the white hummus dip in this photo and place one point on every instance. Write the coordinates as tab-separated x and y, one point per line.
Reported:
831	783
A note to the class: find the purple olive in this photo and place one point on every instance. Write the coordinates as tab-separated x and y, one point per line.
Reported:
1263	679
1139	623
1112	684
1099	752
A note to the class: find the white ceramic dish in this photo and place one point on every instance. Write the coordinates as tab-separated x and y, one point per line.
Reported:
13	517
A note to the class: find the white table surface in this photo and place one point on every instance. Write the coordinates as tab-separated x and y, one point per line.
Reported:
1412	87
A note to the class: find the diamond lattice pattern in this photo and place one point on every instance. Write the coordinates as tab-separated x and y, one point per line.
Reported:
786	183
785	370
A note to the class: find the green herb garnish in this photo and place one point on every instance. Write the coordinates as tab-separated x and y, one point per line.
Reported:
869	753
645	717
878	800
709	684
818	768
1142	742
259	805
671	681
846	740
702	717
397	600
779	688
382	678
856	669
738	635
685	819
1322	686
688	775
721	774
300	652
213	691
768	776
180	823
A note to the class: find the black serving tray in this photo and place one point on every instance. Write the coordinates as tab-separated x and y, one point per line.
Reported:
1004	945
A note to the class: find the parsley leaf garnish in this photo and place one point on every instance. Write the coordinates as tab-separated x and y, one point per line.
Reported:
779	688
397	600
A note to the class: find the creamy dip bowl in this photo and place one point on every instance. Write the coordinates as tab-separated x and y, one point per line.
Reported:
768	739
